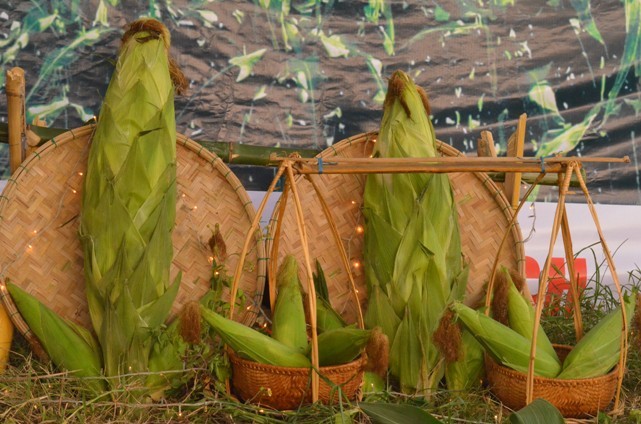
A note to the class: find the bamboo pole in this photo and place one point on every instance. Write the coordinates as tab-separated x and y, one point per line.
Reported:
512	185
15	88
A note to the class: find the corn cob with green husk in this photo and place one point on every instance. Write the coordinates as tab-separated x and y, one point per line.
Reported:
464	361
288	320
129	202
341	345
598	351
69	345
412	249
505	345
251	344
521	315
326	316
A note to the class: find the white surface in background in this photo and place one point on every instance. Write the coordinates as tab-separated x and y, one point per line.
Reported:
621	227
2	184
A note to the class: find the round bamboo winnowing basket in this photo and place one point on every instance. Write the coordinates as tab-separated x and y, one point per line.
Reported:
484	216
39	216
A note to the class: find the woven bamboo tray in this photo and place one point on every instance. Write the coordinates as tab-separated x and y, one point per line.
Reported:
579	398
484	215
39	246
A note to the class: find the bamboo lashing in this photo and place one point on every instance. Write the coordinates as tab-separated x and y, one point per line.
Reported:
15	88
485	145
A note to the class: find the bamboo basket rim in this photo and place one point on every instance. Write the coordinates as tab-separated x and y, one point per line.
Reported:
195	156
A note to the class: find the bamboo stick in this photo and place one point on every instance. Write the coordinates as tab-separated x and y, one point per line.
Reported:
341	250
311	293
273	256
490	283
15	88
574	285
624	327
543	279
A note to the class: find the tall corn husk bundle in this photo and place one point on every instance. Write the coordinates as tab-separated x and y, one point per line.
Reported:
412	250
129	202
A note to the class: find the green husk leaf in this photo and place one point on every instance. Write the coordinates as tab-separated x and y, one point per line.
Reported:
598	351
392	413
540	411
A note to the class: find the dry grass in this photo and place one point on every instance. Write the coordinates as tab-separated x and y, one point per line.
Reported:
31	391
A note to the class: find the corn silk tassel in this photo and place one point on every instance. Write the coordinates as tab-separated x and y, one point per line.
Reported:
129	201
412	249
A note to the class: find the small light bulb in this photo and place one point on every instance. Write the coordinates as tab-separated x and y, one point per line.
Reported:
74	191
360	229
356	264
81	173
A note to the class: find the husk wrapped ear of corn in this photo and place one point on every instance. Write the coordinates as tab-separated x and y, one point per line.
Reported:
129	202
412	249
288	320
69	346
598	351
505	345
341	345
326	316
251	344
521	315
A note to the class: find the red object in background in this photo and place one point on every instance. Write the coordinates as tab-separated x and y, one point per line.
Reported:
558	285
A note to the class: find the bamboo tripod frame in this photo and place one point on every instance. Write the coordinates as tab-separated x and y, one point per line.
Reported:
566	169
561	223
286	168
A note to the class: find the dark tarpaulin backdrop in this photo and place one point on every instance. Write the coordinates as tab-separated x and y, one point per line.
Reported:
309	73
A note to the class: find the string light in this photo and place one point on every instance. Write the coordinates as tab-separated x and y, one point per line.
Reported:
356	264
81	173
74	191
353	202
359	229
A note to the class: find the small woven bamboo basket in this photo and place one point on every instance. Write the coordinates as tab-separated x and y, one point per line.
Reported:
573	398
576	398
285	387
39	246
484	215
